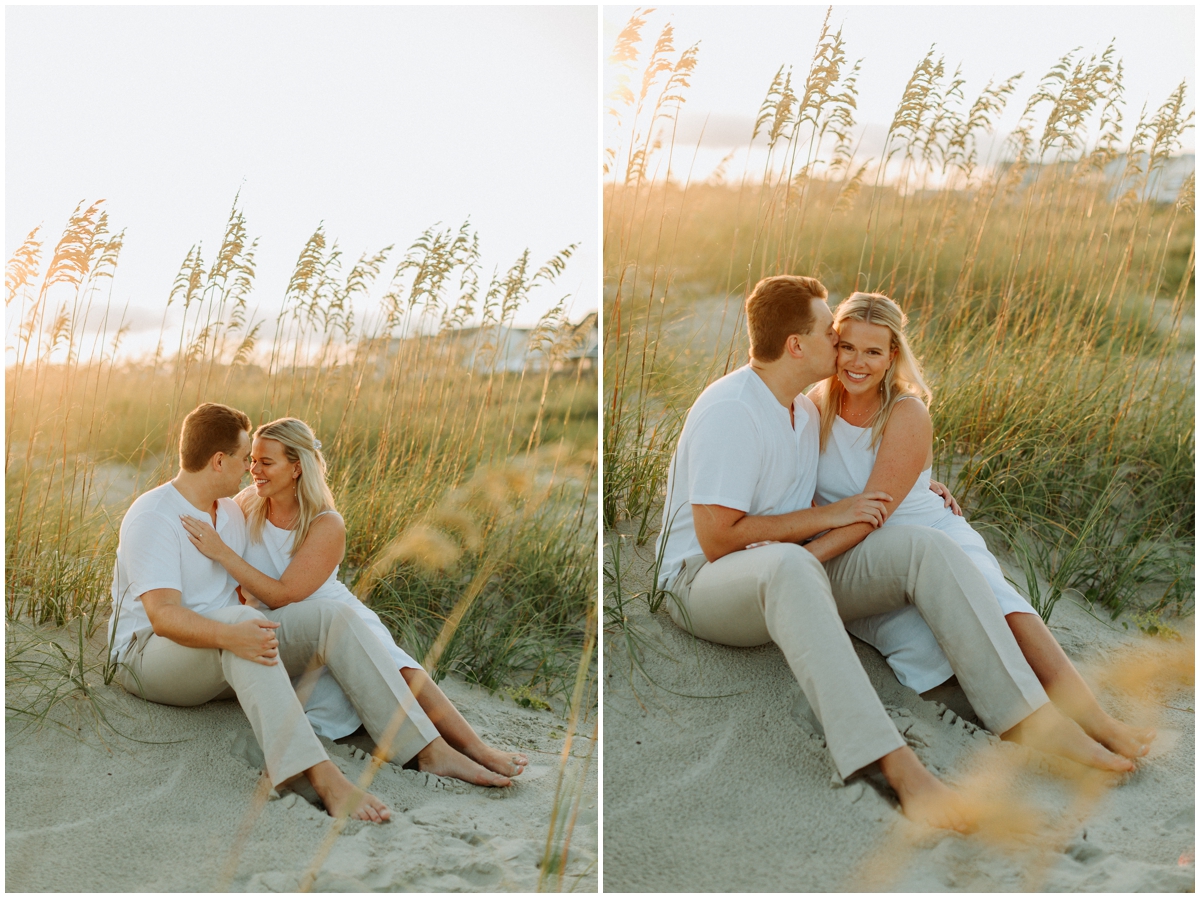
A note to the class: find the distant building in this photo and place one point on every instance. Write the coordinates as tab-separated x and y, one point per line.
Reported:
494	349
1166	184
1164	187
512	349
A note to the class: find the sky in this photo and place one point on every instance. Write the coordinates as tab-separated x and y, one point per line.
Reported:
741	48
377	121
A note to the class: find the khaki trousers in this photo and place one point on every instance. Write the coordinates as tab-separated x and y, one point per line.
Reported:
310	634
780	593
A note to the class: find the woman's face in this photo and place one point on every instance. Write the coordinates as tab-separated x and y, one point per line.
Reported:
273	474
864	356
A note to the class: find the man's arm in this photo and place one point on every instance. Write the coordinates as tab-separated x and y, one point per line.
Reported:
253	639
722	530
902	456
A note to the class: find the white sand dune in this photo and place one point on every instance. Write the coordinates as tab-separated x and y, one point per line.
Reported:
714	779
175	810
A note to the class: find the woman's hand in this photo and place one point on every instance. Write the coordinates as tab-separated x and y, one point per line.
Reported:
204	537
864	508
944	491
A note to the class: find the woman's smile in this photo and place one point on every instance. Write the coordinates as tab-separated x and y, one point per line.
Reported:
864	356
272	472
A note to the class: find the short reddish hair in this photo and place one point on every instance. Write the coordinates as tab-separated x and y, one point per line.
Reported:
778	307
208	429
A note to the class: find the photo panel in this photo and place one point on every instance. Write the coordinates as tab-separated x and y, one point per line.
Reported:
301	384
899	466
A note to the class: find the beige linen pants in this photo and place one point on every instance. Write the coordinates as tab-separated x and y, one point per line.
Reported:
310	634
780	593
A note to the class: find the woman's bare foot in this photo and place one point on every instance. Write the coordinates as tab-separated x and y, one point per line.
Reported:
923	797
454	728
1048	730
439	758
1116	736
341	796
505	763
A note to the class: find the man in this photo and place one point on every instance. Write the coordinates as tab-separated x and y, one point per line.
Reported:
182	637
742	478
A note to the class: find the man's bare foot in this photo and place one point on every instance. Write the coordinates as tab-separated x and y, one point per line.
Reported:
1048	730
505	763
923	797
341	796
439	758
1116	736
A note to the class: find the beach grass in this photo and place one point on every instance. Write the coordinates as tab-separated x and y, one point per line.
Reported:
1050	292
411	406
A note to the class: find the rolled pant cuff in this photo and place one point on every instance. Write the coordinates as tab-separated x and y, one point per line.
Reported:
850	759
1002	725
294	767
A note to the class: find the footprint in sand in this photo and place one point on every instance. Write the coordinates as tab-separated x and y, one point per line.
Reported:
245	748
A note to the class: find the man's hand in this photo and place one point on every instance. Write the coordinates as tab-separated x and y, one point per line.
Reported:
865	508
254	640
948	500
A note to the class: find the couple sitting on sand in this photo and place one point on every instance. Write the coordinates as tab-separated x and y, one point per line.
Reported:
750	557
182	637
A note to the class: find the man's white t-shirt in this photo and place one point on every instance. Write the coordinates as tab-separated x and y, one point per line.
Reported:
154	552
738	449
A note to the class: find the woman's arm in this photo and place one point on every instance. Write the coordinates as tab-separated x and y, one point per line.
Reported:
311	566
904	452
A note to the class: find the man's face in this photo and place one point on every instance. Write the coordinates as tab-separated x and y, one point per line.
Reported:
820	343
235	466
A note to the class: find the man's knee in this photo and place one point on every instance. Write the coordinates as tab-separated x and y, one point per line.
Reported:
789	563
235	614
791	573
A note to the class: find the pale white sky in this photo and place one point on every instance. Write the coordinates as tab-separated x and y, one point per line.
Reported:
742	47
379	121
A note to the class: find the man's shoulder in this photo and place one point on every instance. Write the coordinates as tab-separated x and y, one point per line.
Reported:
231	508
732	390
806	405
152	520
157	502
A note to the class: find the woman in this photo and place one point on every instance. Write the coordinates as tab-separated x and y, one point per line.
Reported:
876	434
296	541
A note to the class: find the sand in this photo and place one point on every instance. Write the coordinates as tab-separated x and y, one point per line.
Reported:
175	810
716	778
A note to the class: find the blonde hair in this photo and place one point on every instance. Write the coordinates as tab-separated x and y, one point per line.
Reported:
902	379
300	445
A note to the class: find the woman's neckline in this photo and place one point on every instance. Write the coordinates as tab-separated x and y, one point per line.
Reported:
848	424
293	529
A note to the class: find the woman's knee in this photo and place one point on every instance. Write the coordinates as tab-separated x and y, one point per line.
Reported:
918	540
313	609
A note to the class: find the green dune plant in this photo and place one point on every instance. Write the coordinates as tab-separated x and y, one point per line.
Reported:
1050	291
